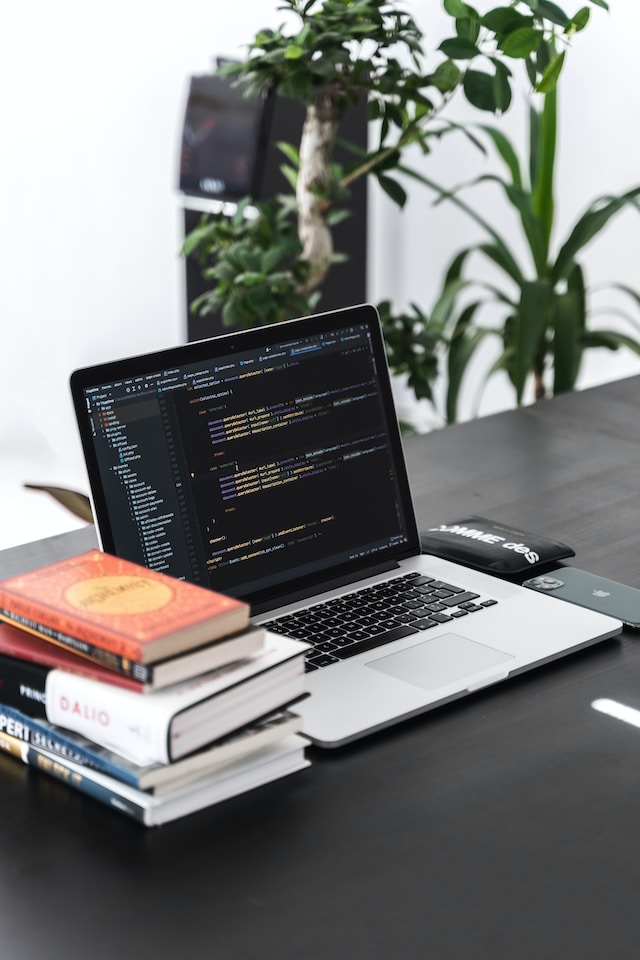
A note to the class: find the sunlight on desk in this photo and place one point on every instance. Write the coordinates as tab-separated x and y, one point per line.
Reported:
618	710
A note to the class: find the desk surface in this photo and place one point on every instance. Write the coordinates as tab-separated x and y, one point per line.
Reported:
502	826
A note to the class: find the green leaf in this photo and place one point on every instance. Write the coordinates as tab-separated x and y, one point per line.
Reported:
454	271
456	8
444	305
551	11
578	21
337	216
589	226
542	180
521	43
567	340
501	256
503	20
549	78
457	48
531	322
634	294
393	189
293	52
487	92
577	286
290	175
532	73
272	258
532	225
610	339
263	39
446	76
464	343
291	153
468	28
544	56
507	151
250	278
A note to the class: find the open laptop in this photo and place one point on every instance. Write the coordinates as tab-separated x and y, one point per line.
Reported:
268	465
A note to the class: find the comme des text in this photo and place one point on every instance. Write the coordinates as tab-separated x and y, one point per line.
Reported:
473	533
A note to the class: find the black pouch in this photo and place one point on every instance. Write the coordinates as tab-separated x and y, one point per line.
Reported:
493	547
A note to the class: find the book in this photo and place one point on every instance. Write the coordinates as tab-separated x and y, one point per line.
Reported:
263	766
154	777
115	611
167	724
21	644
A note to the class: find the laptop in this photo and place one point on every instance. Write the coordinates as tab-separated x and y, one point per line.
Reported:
268	464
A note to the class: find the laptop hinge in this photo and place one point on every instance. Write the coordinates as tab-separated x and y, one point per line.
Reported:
295	595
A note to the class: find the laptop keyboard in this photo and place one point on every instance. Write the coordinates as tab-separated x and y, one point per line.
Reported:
368	618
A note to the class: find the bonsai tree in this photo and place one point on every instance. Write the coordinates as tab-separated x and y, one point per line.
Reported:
268	266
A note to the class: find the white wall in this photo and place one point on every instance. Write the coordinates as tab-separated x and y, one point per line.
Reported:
91	109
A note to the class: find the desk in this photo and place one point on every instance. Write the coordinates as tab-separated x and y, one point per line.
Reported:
502	826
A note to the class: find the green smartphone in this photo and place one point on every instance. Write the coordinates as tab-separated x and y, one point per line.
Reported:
590	590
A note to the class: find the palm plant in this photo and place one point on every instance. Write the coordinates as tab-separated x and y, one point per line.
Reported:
544	305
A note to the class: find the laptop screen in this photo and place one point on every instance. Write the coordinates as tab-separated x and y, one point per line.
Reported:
257	463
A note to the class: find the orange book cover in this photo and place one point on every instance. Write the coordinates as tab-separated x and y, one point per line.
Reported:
97	600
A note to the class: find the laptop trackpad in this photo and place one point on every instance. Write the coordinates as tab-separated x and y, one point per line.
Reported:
439	661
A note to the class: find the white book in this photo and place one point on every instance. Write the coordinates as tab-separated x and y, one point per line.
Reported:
168	724
264	765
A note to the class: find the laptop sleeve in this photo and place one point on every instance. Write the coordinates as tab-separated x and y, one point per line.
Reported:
493	547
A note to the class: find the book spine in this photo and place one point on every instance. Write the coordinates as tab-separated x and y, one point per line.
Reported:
59	769
12	745
114	718
21	610
18	726
99	654
23	686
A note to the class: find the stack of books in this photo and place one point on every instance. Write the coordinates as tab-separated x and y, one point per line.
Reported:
155	696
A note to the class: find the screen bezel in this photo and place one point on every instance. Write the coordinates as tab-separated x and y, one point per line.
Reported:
201	350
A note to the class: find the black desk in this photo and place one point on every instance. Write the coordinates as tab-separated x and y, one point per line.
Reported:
503	826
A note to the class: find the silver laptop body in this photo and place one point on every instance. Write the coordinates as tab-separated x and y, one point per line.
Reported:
268	465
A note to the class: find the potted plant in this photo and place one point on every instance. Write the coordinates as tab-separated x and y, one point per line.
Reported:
268	267
543	306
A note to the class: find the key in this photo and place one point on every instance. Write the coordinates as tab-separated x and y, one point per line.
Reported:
372	642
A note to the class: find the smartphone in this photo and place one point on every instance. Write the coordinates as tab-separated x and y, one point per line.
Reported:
590	590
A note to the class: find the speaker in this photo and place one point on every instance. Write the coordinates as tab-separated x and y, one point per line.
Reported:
229	151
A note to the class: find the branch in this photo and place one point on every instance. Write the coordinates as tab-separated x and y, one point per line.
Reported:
407	136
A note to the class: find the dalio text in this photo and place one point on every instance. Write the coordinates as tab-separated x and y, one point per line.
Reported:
491	538
85	711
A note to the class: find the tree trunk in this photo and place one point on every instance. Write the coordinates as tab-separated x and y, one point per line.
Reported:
540	391
317	146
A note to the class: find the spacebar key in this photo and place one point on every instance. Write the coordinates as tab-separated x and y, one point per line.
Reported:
362	646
